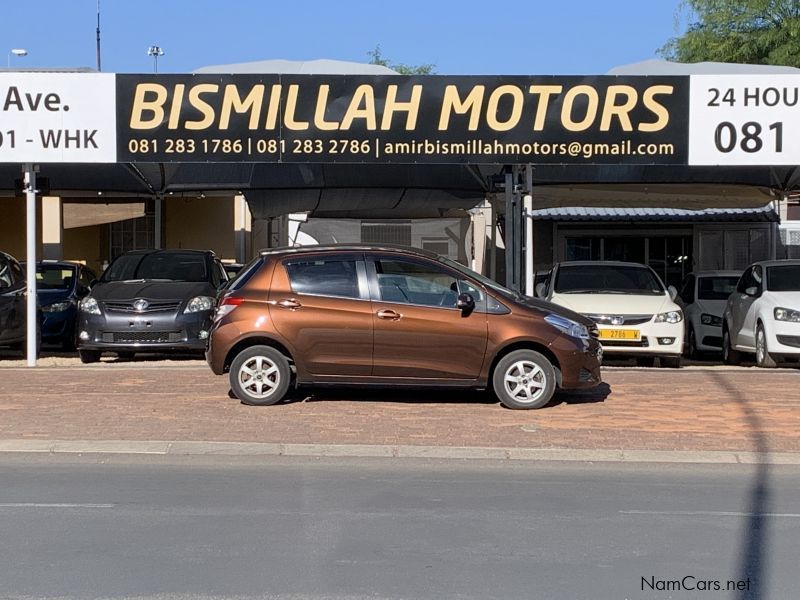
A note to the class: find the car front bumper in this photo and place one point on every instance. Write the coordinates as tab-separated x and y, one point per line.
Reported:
149	332
783	338
656	339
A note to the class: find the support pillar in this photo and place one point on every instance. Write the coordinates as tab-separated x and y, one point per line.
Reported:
241	225
30	259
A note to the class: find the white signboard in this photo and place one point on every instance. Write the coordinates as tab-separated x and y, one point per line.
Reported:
744	120
58	117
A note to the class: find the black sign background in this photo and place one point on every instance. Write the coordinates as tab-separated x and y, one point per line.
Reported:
553	144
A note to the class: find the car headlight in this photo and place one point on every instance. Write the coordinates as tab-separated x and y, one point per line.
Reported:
90	305
56	307
568	326
199	304
673	316
787	314
714	320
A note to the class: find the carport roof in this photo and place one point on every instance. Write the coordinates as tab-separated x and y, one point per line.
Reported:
765	214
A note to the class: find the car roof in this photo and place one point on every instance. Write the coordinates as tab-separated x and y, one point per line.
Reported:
168	251
785	262
349	248
729	273
604	263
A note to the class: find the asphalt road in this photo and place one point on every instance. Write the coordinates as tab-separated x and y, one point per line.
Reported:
124	527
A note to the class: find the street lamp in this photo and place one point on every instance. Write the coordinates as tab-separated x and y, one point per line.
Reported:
155	52
16	52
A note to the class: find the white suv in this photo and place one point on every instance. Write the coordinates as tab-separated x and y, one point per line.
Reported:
763	314
635	314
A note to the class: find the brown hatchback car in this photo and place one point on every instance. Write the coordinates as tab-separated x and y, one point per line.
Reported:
389	316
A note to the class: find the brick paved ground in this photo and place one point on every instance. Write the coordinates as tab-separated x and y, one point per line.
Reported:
714	409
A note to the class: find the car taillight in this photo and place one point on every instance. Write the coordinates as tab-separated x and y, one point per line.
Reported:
226	305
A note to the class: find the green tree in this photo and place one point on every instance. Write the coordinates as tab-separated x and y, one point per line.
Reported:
377	58
762	32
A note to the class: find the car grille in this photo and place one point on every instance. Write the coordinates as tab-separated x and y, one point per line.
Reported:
643	343
154	306
627	319
142	337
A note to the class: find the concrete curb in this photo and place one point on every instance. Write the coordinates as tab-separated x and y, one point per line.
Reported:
177	448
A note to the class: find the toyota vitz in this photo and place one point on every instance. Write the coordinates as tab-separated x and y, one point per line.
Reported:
382	315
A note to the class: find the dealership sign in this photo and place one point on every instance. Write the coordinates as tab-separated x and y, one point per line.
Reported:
670	120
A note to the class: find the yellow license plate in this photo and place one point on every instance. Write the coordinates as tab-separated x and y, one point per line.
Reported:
620	334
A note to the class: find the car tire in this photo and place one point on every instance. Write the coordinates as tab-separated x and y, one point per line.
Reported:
670	362
89	356
763	358
260	376
729	355
645	361
524	379
692	351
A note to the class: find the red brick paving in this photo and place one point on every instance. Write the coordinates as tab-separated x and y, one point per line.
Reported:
713	409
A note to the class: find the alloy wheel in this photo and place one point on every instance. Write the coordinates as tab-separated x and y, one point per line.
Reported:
259	376
524	381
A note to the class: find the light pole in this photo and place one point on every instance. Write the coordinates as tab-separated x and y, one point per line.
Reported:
16	52
155	52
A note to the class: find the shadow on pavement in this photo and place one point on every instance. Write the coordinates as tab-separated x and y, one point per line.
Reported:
754	548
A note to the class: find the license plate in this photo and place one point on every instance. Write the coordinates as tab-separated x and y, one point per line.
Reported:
620	334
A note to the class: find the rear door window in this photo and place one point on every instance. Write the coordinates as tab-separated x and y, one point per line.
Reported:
337	277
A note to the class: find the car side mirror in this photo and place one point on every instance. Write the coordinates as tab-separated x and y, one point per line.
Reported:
751	291
465	303
540	290
673	293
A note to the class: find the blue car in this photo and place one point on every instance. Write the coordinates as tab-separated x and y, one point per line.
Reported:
60	286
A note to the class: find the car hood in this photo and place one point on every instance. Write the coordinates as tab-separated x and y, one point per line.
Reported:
152	290
711	307
45	297
615	304
546	308
783	299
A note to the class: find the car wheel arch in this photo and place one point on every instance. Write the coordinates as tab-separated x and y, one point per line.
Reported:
534	345
255	340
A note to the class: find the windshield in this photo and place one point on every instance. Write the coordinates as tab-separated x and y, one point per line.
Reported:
55	277
489	283
784	278
607	279
171	266
716	288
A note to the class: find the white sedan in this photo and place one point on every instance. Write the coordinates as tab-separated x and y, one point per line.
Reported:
635	314
763	315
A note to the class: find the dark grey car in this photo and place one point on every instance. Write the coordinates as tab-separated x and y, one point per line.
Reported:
12	302
151	301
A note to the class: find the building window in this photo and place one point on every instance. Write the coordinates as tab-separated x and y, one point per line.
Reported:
133	234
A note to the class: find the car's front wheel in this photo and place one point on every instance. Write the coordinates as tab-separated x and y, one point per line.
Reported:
763	358
524	379
89	356
260	376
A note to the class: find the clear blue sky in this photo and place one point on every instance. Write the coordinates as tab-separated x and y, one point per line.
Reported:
459	37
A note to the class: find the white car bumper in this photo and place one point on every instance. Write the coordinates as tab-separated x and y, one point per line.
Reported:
654	339
783	338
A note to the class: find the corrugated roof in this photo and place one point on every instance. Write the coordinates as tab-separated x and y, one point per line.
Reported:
664	67
580	213
306	67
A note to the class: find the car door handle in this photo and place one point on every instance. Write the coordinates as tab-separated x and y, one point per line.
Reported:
389	315
288	303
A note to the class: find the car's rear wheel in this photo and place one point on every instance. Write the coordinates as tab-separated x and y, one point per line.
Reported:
524	379
260	376
89	356
729	355
763	358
